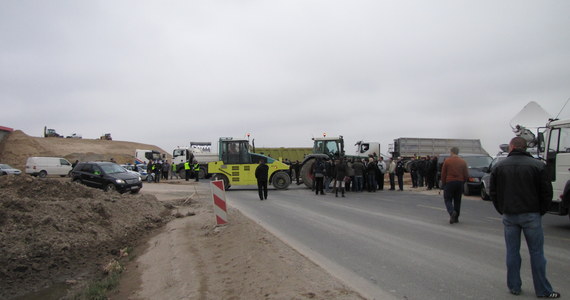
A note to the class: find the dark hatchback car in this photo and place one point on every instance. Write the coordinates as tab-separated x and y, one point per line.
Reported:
107	176
475	163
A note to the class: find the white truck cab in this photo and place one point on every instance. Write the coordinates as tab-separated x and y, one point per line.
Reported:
554	148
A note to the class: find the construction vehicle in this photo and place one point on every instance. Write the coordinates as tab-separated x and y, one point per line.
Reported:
199	151
106	136
144	156
237	163
48	132
328	148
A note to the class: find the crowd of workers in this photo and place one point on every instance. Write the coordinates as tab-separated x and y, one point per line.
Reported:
159	169
358	175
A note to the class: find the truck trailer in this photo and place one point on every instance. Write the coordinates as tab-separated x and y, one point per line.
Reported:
406	147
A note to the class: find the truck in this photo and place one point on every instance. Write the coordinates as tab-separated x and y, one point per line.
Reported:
237	162
328	148
144	156
552	144
199	151
407	147
49	132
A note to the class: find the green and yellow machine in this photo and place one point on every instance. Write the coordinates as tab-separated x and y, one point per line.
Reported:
237	164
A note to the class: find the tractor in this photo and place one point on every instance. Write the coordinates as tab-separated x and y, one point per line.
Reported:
328	148
237	164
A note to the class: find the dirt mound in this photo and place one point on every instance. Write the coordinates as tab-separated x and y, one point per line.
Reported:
53	230
17	146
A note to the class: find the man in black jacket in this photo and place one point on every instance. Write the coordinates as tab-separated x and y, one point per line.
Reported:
522	192
262	174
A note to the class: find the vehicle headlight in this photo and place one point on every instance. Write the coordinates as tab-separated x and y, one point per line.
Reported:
120	181
140	179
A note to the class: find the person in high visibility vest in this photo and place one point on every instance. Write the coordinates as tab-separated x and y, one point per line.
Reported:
187	170
174	171
196	169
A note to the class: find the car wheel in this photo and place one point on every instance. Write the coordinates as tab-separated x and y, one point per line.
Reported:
3	173
110	188
466	190
135	191
42	174
484	194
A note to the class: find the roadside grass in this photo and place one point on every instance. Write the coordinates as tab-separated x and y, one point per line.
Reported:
99	289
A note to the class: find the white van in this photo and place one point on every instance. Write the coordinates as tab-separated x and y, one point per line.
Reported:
44	166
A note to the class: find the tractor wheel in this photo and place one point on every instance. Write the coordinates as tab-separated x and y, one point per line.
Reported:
223	178
281	180
307	173
202	173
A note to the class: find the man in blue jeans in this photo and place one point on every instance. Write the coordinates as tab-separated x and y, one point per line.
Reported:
522	192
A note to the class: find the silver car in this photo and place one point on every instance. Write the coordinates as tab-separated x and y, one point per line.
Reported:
8	170
140	171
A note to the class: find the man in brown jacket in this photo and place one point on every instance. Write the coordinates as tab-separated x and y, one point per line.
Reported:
453	176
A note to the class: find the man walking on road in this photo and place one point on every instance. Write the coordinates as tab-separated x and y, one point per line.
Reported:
453	176
261	174
522	192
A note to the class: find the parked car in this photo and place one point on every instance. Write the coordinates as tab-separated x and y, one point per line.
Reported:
475	164
44	166
485	180
138	169
8	170
107	176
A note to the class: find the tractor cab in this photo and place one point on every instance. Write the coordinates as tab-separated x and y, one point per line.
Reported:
332	147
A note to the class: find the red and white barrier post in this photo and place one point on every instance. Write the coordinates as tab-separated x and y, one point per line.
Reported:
220	207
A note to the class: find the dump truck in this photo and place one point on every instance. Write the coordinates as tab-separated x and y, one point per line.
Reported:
237	162
199	151
328	148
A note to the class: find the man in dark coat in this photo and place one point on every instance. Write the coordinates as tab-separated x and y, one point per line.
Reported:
262	174
340	171
522	192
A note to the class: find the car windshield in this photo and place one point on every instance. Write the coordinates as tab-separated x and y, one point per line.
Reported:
112	168
4	166
478	161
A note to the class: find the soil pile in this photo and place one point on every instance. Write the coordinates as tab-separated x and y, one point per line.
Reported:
18	146
54	230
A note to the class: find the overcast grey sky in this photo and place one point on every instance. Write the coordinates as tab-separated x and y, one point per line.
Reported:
168	72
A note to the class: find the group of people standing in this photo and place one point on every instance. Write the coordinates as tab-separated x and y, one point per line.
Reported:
349	175
159	169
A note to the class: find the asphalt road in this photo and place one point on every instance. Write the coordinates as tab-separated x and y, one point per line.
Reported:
400	245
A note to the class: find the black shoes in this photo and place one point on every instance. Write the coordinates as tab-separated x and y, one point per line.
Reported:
454	218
